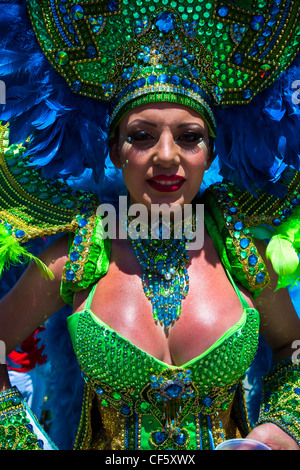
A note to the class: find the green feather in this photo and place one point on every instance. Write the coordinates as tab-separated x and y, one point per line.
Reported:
12	253
283	255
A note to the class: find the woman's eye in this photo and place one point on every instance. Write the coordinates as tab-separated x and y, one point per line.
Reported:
190	138
141	136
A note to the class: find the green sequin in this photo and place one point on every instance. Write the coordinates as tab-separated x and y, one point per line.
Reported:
118	29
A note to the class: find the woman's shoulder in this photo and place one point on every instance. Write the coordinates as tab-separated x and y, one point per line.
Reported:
239	221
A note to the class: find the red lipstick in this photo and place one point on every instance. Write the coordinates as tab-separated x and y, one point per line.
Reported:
165	183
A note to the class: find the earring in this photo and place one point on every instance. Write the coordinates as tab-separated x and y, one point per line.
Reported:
205	163
124	164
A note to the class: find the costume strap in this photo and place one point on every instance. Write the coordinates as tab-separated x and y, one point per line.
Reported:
88	258
32	206
281	398
19	428
235	247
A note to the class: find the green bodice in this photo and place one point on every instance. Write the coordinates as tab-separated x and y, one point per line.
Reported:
138	402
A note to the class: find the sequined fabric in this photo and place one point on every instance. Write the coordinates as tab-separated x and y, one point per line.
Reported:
138	402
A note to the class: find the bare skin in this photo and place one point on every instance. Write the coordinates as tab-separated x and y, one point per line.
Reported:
119	301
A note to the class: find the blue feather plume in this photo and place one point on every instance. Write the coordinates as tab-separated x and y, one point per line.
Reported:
68	132
256	142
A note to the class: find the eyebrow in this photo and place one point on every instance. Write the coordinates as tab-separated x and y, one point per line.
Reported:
142	121
152	124
185	124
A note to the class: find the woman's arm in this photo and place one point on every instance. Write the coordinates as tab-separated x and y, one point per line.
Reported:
280	323
33	299
280	327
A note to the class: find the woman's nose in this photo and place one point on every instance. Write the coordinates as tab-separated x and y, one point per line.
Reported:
166	151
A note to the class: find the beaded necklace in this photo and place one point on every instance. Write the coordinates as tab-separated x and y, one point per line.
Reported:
165	277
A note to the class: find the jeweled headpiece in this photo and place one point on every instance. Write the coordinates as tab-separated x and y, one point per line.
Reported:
198	53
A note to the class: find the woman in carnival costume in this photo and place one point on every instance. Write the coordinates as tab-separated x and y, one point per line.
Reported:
163	335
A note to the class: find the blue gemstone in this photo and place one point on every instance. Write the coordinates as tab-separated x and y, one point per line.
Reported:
74	256
252	260
91	52
77	12
276	222
223	11
67	19
165	22
247	93
267	31
163	78
238	225
159	437
274	10
232	210
152	79
125	410
82	223
295	202
261	41
257	22
287	212
260	277
141	82
99	390
180	438
77	85
70	275
175	79
185	82
238	58
173	390
20	233
16	400
29	427
207	401
272	21
112	5
297	390
40	443
77	240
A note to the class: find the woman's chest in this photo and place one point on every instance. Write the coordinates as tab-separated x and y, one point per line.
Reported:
209	310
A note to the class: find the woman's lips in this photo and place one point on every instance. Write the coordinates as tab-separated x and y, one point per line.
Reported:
166	184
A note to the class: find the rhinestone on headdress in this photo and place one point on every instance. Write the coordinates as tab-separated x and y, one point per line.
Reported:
193	52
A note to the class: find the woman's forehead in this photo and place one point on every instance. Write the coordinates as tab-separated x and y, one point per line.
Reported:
163	112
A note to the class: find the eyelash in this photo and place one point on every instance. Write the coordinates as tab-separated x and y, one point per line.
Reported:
143	136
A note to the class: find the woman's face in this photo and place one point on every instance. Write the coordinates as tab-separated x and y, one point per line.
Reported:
163	147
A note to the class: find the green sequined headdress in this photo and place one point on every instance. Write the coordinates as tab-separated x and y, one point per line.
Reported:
198	53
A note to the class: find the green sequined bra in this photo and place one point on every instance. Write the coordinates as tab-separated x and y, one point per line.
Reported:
136	401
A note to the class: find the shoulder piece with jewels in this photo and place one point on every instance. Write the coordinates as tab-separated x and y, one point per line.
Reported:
32	206
73	69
